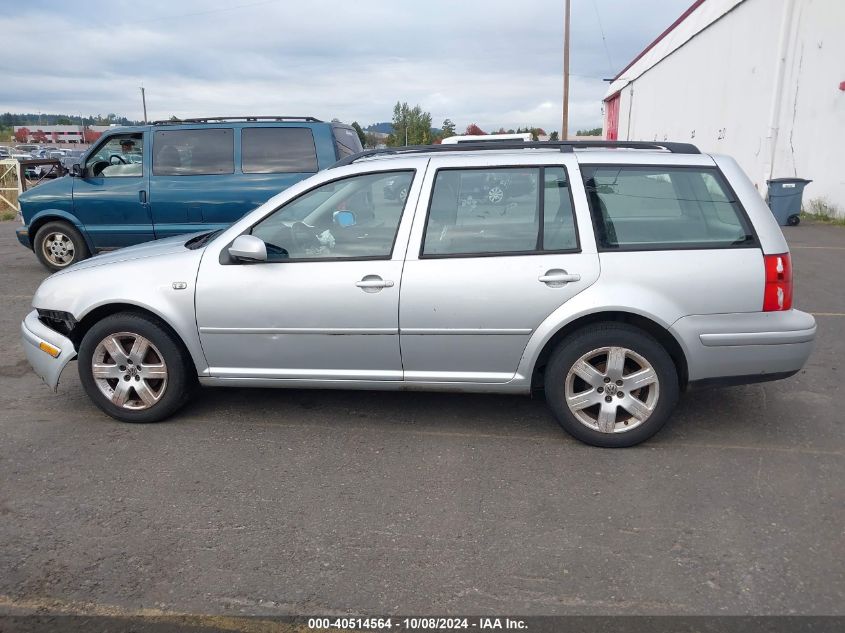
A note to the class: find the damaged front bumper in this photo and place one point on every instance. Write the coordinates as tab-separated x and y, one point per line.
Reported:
46	350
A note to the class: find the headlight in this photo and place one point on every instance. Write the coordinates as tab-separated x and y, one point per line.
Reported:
61	322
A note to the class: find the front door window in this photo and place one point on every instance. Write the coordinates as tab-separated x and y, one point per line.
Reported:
120	155
355	217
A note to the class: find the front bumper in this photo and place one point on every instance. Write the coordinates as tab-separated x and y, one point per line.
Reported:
747	346
22	233
46	350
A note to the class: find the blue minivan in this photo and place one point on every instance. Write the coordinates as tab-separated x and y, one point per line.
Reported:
151	181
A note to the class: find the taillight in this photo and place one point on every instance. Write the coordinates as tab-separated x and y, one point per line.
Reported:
778	290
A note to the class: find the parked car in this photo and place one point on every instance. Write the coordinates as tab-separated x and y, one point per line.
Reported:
5	152
147	182
72	157
27	148
628	277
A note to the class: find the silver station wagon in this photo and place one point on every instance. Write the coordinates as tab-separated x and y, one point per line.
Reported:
610	276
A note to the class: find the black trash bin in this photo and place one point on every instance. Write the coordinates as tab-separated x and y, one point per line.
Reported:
785	199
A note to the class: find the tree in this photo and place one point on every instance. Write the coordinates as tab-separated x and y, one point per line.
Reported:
360	131
553	136
474	130
63	120
371	140
448	128
596	131
411	126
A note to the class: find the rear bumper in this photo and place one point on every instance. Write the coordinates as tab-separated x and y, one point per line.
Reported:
22	233
745	347
47	363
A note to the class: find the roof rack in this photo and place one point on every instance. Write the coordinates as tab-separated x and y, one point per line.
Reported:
219	119
564	146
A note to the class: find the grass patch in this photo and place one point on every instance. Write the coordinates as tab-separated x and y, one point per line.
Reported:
823	211
8	215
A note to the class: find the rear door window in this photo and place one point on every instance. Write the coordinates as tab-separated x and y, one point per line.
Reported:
656	207
193	152
346	140
278	150
500	211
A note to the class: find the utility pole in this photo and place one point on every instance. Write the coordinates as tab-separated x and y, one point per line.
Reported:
144	101
564	129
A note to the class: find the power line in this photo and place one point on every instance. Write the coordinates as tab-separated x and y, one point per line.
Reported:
603	38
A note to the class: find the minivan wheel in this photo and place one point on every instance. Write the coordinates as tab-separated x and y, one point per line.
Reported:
133	369
57	245
611	385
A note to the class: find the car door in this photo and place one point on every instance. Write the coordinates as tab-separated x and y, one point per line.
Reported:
325	304
110	197
496	253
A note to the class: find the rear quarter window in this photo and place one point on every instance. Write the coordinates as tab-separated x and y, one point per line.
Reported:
268	150
346	141
657	207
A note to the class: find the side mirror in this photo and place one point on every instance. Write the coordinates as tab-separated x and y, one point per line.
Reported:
344	218
248	248
76	170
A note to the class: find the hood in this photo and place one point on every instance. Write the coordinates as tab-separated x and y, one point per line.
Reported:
50	194
156	248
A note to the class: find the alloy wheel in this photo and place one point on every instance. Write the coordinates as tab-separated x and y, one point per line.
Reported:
58	249
129	371
612	389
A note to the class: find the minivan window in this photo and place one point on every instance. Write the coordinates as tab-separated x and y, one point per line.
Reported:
346	141
646	207
193	152
121	155
275	150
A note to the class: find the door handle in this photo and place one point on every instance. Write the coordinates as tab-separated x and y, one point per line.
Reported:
142	197
373	283
557	277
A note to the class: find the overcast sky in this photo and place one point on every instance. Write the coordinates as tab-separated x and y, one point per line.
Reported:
490	62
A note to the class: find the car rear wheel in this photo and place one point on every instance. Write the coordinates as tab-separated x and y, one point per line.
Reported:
611	385
134	369
57	245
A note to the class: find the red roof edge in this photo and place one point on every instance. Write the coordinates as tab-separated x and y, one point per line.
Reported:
672	26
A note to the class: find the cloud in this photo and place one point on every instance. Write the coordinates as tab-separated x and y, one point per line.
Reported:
494	62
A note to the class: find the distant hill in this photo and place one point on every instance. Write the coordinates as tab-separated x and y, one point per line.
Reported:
384	128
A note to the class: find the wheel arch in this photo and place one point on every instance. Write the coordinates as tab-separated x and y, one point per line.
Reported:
106	310
655	329
57	215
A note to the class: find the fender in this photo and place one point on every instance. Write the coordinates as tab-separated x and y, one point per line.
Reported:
47	215
99	290
594	301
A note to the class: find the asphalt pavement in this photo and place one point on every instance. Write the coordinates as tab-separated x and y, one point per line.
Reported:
340	502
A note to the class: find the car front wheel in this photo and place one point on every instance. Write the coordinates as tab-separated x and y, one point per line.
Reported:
611	385
134	369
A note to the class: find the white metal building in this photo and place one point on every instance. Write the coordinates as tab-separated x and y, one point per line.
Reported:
761	80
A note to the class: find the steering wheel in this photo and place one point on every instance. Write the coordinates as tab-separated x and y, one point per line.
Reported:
98	167
303	236
120	160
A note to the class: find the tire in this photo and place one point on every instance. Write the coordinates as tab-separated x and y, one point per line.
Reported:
793	220
151	384
57	245
591	418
